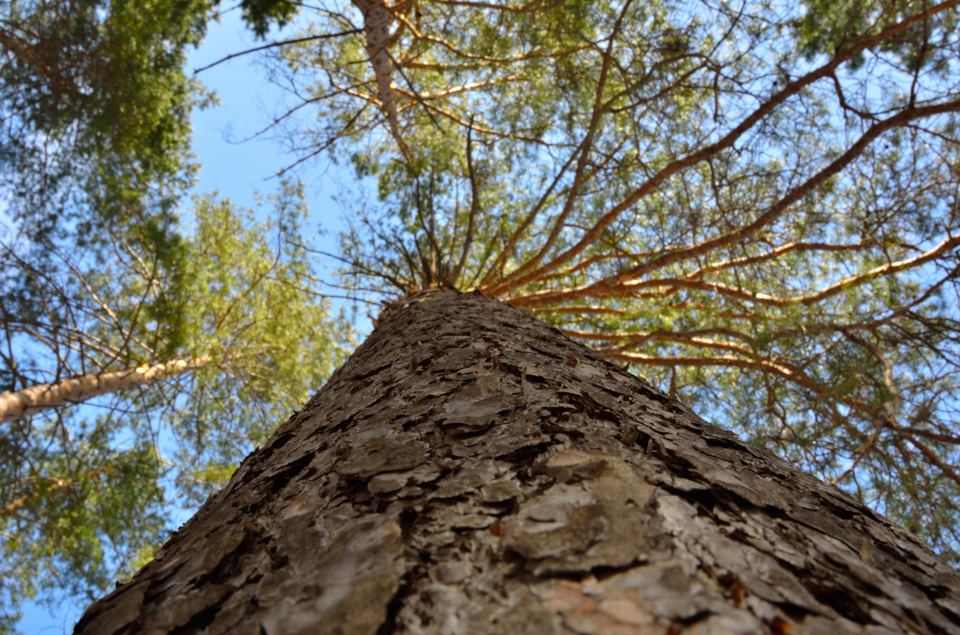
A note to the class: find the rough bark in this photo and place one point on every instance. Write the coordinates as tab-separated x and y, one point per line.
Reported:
472	470
22	403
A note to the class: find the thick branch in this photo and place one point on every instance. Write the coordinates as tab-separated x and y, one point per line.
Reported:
29	401
767	218
793	88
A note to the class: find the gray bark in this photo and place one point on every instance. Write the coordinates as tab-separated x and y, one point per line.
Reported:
376	31
472	470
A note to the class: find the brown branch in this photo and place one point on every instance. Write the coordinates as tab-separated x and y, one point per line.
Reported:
793	88
500	261
271	45
635	339
755	363
585	147
456	90
508	8
779	251
580	308
669	257
949	439
474	209
929	454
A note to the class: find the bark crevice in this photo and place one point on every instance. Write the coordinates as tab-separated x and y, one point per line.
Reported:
471	470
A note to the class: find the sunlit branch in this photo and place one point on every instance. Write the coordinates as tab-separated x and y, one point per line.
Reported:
474	210
510	8
669	257
772	254
945	245
481	61
29	401
456	90
636	339
415	94
580	173
869	324
730	361
499	262
515	280
697	342
581	308
672	284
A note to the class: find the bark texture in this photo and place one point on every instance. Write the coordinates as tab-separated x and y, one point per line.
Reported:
472	470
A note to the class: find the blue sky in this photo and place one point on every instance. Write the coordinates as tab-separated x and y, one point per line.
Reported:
235	170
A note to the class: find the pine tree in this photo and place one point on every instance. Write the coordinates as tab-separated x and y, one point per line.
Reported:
472	470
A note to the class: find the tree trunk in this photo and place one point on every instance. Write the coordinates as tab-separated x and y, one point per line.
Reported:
22	403
376	31
472	470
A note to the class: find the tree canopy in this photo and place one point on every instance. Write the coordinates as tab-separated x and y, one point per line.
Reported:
149	338
754	204
83	488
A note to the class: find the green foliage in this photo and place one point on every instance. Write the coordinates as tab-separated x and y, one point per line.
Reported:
754	203
254	306
74	501
259	14
827	27
97	276
96	107
83	492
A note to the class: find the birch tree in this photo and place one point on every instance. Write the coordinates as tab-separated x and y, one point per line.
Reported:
211	357
107	301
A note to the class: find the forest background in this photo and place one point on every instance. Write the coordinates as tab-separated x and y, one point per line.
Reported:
237	169
754	205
